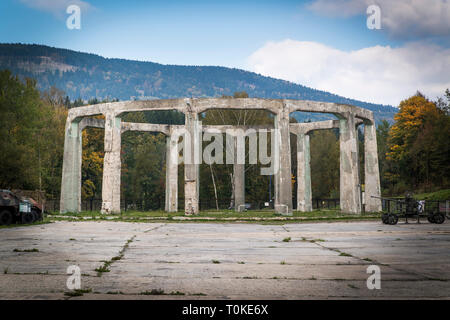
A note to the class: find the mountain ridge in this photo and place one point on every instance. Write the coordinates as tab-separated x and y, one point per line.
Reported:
88	75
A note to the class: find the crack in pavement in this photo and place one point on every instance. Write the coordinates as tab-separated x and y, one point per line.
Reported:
411	273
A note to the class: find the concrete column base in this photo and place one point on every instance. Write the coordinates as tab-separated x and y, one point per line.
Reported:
371	170
70	200
111	165
304	194
191	168
283	185
350	189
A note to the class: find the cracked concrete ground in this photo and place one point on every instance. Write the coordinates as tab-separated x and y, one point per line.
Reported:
226	261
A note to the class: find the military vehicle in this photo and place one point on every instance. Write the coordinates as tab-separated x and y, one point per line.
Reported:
411	208
15	209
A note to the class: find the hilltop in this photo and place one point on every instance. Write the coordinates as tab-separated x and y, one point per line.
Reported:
86	76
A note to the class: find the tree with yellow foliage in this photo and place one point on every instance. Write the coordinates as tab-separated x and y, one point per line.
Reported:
418	143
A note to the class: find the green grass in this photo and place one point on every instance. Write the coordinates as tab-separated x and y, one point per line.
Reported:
156	292
17	225
438	195
287	239
343	254
107	264
211	216
77	292
114	292
103	268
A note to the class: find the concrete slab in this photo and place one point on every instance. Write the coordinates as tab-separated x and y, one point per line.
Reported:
226	261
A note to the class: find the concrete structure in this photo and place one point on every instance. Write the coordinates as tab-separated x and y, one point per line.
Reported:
349	117
304	193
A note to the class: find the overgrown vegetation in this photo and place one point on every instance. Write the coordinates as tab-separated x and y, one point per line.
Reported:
77	292
415	150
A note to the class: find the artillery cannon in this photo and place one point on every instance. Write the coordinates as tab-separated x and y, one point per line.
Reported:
408	207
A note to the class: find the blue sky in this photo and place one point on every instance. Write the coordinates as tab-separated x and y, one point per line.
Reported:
242	34
183	32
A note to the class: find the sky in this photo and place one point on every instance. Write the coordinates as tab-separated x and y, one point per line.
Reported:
323	44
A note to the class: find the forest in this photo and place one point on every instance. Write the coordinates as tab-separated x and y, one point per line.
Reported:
414	150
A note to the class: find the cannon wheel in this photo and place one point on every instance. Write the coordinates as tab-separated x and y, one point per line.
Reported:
384	218
438	218
430	218
392	219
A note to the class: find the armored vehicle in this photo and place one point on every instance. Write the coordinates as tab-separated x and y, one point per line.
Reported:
14	209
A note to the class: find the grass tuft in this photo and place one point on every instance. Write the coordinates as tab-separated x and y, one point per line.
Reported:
77	292
153	292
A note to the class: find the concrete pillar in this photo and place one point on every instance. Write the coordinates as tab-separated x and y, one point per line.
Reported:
70	200
283	184
111	165
191	169
371	169
350	195
304	193
171	175
239	185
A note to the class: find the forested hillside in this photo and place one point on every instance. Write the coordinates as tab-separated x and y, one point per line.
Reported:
87	76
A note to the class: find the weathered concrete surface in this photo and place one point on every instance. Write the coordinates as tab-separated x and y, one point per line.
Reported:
304	191
171	204
191	164
71	172
371	169
322	260
349	183
239	187
283	185
238	172
111	165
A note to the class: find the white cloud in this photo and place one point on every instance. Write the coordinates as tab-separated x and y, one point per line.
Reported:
375	74
401	18
56	7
